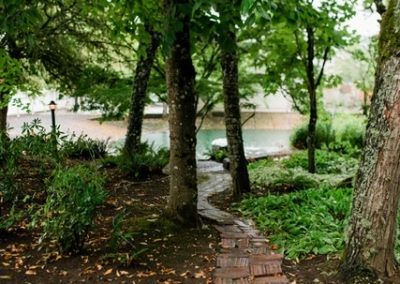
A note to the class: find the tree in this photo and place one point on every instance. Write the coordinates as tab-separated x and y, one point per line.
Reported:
373	222
182	203
43	36
229	16
149	40
303	36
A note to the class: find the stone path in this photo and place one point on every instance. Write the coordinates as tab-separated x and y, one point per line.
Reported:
245	255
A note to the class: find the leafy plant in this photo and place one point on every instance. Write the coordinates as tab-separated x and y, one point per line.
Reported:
327	162
217	155
325	135
70	208
302	223
276	179
148	160
83	147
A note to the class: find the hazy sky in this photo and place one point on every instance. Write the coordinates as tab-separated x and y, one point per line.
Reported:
365	22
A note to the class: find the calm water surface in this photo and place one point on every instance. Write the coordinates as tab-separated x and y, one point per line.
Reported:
256	141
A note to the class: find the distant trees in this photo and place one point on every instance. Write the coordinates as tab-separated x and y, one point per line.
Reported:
373	224
295	47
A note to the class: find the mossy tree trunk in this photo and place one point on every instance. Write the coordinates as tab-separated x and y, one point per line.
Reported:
372	227
182	203
139	91
229	64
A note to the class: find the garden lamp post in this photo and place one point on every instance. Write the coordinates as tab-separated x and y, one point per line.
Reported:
53	107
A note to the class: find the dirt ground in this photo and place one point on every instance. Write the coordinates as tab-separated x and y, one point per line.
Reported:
151	249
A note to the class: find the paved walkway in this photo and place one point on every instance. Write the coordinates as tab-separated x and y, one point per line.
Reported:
245	256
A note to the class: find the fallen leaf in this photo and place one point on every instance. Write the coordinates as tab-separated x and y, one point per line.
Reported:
200	274
30	272
109	271
122	272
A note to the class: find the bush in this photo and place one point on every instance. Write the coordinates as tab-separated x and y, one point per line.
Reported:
277	179
83	147
217	155
327	162
345	134
147	161
324	134
70	208
304	222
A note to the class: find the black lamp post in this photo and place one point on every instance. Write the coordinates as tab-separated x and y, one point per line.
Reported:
53	107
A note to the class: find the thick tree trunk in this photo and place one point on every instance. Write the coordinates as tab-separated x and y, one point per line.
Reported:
312	92
372	227
182	203
139	92
238	163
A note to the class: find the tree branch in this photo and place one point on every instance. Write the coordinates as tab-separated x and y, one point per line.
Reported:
321	72
380	7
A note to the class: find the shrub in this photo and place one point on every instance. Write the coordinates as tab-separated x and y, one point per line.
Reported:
147	161
217	155
327	162
345	134
304	222
324	135
277	179
83	147
70	208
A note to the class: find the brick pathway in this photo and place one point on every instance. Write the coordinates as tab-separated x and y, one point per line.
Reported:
245	256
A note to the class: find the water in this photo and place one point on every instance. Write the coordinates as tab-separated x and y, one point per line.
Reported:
256	141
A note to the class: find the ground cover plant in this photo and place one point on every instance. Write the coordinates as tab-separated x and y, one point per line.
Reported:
303	214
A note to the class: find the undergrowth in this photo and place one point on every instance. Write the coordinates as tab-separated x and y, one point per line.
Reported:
301	223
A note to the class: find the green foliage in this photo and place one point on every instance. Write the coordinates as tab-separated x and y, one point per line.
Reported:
326	162
83	147
324	135
302	223
344	134
148	160
277	179
290	174
13	218
217	155
70	208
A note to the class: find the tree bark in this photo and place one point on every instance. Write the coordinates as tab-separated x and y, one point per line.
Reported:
372	227
3	114
182	203
139	92
229	64
312	92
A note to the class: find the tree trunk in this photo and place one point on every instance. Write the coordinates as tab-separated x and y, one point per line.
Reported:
182	203
372	227
139	92
238	163
3	114
365	103
312	92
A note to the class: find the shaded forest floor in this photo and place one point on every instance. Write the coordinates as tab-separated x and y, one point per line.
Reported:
132	243
138	246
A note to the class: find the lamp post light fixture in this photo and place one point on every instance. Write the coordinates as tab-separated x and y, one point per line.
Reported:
53	107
